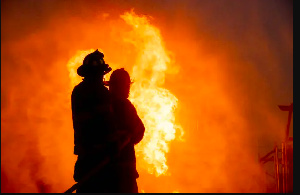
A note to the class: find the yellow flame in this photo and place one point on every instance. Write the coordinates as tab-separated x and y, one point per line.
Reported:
73	64
155	104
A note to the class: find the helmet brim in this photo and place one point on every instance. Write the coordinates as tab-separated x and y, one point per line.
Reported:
85	70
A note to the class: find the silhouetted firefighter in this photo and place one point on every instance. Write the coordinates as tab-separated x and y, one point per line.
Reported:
129	128
106	127
90	113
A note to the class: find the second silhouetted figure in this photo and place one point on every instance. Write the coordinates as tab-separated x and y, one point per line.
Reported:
129	128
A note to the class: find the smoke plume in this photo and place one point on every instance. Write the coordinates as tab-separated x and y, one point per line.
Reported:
231	65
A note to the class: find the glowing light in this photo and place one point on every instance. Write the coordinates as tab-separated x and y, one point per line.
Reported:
155	104
73	64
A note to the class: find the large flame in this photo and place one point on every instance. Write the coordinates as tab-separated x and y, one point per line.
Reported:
234	71
155	104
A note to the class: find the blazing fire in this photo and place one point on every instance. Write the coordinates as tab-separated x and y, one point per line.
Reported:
73	64
155	104
234	71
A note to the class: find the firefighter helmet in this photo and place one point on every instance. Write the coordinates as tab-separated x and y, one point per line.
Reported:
93	64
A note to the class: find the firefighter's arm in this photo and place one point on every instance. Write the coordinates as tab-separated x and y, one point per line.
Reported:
139	131
137	126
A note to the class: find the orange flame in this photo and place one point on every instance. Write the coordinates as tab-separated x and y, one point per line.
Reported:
73	64
155	104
